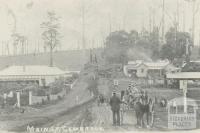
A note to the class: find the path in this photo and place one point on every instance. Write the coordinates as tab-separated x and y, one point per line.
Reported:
17	120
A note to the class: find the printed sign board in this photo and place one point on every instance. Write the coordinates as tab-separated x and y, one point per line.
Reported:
116	82
182	121
178	118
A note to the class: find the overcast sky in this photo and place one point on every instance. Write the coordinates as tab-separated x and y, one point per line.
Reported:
122	14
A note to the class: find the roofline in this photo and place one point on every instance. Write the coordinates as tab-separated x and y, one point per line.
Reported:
143	63
190	78
35	75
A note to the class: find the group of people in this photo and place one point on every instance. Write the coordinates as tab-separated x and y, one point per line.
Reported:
135	99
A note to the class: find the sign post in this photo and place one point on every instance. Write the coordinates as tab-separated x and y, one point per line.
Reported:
116	82
18	99
30	97
183	86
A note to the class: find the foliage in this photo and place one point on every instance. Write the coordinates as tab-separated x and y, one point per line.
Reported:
41	92
191	67
55	90
75	76
154	42
175	46
57	86
51	33
119	43
167	52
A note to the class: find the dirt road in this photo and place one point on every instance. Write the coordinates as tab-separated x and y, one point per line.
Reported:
18	122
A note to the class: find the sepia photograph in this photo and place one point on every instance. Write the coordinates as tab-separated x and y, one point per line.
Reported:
99	66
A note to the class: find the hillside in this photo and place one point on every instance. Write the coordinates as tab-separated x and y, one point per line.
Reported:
73	60
69	60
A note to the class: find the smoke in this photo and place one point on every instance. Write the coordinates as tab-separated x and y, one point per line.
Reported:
138	54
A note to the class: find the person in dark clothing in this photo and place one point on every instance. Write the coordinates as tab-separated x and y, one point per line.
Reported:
115	107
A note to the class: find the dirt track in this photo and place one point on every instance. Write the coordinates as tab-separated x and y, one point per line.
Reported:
18	122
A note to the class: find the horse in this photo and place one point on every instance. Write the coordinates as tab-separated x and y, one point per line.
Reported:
139	102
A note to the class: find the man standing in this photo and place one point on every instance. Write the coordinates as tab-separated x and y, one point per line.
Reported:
115	107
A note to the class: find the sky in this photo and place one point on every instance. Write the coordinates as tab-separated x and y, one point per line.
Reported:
99	15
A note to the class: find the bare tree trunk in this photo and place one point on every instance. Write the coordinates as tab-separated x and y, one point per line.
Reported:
163	20
51	57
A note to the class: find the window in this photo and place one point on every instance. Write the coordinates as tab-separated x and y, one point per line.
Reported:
172	110
190	109
180	109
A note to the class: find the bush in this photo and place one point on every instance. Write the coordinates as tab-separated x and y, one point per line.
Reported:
59	98
75	76
24	100
41	92
43	102
56	90
11	101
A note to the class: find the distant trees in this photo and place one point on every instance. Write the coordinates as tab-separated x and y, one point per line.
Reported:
18	40
51	33
177	45
154	41
119	42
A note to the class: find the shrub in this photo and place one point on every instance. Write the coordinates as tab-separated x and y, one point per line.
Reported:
55	90
41	92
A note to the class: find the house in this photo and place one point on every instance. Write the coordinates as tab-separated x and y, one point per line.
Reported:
42	75
143	69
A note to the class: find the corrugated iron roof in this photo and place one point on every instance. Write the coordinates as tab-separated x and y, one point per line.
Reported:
31	70
150	65
184	75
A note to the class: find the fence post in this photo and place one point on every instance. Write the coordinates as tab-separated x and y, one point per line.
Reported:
18	99
30	97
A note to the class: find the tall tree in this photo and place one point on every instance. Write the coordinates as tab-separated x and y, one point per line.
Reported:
51	34
117	44
178	44
154	42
